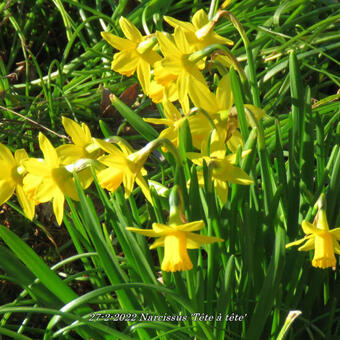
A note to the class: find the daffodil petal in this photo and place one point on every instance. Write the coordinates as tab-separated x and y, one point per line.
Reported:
195	241
162	229
181	41
183	86
199	19
70	153
37	167
75	131
108	147
128	182
235	141
296	243
158	121
45	191
336	233
202	97
145	232
6	191
5	154
130	30
224	94
308	228
232	157
178	23
336	246
143	75
125	63
256	111
217	143
58	206
26	204
191	226
141	182
221	188
167	46
151	57
309	245
117	42
65	182
114	161
49	151
6	170
232	174
170	111
158	243
85	177
20	155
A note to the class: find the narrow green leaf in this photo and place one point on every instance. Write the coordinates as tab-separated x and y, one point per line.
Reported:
224	299
271	283
147	131
36	265
239	103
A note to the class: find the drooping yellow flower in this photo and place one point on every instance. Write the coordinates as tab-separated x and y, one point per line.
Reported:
176	239
123	167
56	181
324	241
200	33
136	53
176	65
223	168
11	179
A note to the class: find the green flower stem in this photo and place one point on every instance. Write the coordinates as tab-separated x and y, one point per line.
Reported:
147	45
212	9
288	323
196	56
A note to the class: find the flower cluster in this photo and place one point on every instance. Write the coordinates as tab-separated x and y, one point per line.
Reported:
170	69
39	180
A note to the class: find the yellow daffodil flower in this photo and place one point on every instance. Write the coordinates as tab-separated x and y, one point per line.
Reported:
11	179
198	123
219	106
324	241
123	167
176	65
223	168
136	53
55	181
176	239
200	33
